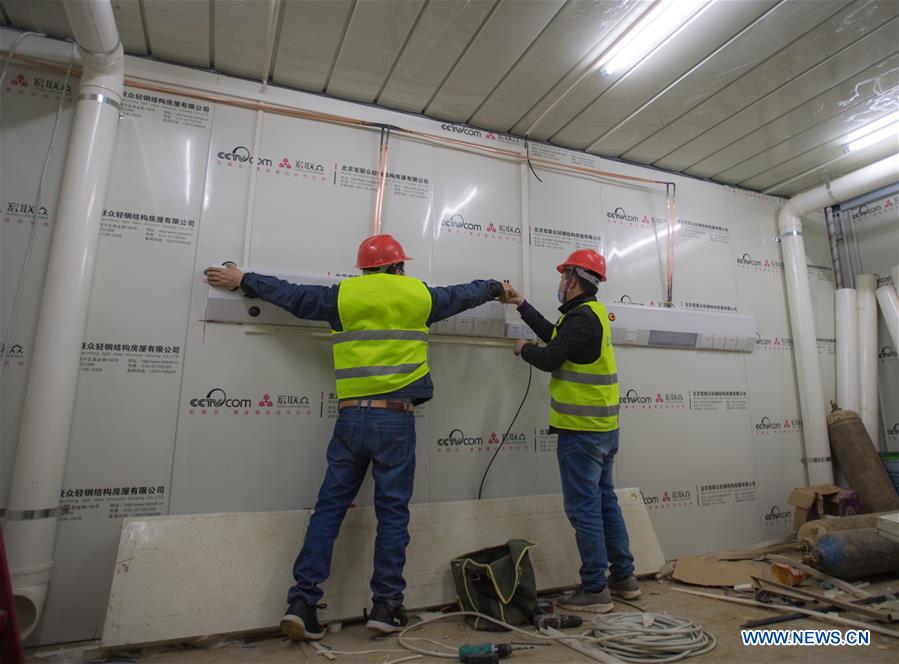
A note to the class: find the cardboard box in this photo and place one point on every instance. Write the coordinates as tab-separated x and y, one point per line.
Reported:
816	501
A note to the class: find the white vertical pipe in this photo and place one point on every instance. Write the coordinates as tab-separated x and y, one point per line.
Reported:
525	231
805	344
805	352
32	513
889	307
894	274
846	313
867	355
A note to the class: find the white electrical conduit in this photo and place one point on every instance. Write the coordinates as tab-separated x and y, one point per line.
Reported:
846	315
805	344
889	307
869	406
33	509
894	275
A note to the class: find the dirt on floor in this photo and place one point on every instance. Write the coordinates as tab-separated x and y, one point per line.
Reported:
720	619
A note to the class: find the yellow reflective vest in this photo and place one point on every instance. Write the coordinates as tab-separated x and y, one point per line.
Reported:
384	342
584	397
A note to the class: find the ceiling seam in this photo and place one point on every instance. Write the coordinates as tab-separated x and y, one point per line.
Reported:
276	44
781	87
144	26
464	52
212	34
794	156
683	76
402	49
519	59
760	127
341	42
746	74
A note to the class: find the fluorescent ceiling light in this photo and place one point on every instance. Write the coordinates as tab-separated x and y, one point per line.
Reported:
650	30
873	132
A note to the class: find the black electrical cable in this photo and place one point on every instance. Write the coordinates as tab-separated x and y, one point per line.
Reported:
506	435
527	154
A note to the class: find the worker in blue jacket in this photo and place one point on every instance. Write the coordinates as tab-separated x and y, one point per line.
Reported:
380	326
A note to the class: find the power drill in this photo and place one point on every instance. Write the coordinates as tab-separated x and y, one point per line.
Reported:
557	621
484	653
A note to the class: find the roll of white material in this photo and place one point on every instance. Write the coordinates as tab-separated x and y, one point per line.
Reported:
846	314
889	307
867	355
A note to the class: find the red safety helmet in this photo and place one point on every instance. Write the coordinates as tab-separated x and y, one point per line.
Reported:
587	259
380	250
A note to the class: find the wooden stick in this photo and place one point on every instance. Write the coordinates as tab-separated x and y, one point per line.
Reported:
818	574
792	609
810	596
321	650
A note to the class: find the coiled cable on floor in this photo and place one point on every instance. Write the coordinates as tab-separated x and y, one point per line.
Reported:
650	638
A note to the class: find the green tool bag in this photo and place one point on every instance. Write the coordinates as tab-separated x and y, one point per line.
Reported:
499	582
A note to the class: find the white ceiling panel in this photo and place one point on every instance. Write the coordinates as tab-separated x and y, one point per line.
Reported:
243	35
510	30
876	46
853	103
812	48
715	26
820	165
179	31
440	38
375	37
47	16
756	93
557	57
131	26
311	34
759	40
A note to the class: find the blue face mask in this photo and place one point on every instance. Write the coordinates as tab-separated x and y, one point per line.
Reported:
562	292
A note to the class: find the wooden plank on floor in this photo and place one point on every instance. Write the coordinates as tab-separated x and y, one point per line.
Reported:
181	577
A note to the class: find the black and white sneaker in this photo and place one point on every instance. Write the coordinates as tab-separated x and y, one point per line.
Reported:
387	620
300	622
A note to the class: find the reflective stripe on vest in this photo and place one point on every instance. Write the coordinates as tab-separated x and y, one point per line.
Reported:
384	343
585	397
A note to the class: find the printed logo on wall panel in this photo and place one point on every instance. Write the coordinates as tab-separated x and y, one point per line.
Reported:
685	229
31	85
308	169
632	399
777	425
457	441
671	499
747	261
12	357
484	229
886	354
886	208
24	215
219	402
777	516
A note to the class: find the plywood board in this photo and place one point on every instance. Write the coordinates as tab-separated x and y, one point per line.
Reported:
181	577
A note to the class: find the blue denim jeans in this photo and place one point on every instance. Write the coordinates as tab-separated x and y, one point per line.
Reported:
585	463
362	436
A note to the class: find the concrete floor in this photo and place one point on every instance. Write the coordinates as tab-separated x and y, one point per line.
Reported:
718	618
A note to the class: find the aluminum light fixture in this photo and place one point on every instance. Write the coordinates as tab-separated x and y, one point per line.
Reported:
874	132
650	30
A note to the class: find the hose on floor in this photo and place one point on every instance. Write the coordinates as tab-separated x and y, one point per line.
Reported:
651	638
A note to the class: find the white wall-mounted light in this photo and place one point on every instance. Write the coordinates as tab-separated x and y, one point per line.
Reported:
650	30
874	132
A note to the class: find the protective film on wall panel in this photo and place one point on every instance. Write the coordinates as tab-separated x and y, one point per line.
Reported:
178	415
123	429
30	100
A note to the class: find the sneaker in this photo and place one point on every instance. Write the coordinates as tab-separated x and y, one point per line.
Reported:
625	588
300	622
386	620
581	600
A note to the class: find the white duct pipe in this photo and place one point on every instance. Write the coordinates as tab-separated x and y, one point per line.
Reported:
889	307
31	517
805	345
869	409
846	312
894	275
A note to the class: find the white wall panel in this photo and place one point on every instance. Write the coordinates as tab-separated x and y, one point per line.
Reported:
713	479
